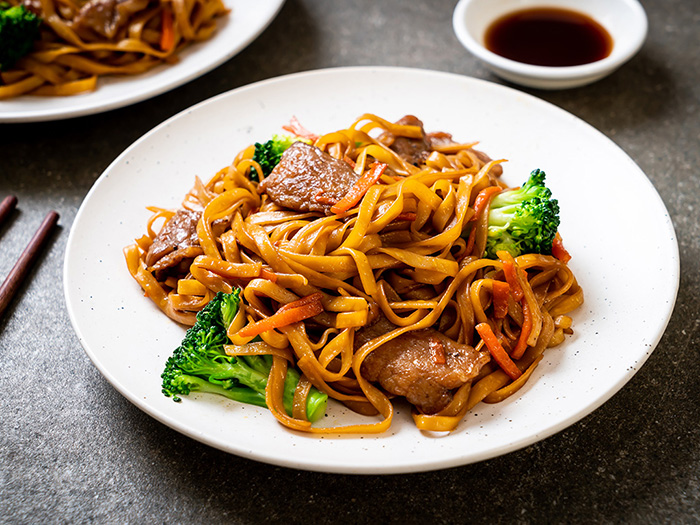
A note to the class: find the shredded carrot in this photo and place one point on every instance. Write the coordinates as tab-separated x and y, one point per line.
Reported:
285	316
358	190
510	272
525	330
167	35
324	200
349	161
437	350
500	294
406	216
482	199
267	274
497	351
294	127
470	242
559	251
313	298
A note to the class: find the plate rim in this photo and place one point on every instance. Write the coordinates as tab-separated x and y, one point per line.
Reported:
415	466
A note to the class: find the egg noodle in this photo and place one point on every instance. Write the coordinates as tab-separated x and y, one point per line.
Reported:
410	250
80	41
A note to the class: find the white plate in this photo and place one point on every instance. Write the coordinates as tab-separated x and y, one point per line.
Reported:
243	25
625	256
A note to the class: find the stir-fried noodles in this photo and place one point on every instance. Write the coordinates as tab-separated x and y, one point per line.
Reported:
361	263
82	40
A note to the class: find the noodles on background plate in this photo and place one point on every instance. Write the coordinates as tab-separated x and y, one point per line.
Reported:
81	41
384	268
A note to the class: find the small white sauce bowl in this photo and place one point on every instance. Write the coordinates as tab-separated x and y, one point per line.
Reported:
625	20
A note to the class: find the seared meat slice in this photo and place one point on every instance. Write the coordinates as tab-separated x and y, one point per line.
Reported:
440	138
105	17
178	234
176	263
308	179
496	170
416	151
424	366
413	151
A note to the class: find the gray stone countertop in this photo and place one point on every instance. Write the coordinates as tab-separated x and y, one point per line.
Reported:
73	450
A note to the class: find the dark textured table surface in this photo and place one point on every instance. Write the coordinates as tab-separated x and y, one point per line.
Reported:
72	449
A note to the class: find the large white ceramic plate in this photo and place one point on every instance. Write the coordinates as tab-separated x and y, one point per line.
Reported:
245	22
625	256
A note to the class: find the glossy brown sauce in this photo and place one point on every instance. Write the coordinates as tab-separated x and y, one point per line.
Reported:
548	36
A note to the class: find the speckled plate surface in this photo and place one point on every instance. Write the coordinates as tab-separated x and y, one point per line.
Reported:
245	22
629	269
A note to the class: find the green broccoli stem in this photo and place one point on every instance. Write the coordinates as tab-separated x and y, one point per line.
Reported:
258	363
240	394
315	402
243	373
253	371
501	217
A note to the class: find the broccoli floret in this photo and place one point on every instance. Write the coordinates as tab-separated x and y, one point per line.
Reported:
268	155
523	220
19	27
200	364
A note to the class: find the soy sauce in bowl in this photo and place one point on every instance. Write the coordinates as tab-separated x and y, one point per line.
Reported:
548	36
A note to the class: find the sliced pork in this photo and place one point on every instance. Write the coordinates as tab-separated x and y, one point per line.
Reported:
413	151
177	242
308	179
106	17
416	151
424	366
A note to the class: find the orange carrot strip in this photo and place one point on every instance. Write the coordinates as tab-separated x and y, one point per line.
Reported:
406	216
559	251
483	199
500	294
525	330
313	298
437	350
364	183
167	35
283	317
267	274
497	351
510	272
324	200
294	127
470	242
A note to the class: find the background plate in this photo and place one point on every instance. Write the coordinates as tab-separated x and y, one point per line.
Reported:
243	24
629	269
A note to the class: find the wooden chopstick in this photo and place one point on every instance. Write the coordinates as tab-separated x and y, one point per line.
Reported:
19	271
6	206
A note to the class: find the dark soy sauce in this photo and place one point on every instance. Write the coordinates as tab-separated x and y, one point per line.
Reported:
548	36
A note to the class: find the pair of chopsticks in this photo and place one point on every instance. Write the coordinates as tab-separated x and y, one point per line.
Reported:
26	260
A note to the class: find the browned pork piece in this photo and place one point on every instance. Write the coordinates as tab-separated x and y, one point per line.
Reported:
308	179
416	151
424	366
413	151
106	17
175	245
